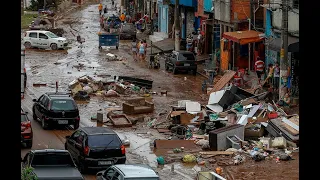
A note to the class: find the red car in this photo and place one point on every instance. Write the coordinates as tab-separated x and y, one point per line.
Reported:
26	129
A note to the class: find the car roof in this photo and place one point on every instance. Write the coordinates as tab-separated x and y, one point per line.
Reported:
136	170
50	151
59	95
97	130
38	31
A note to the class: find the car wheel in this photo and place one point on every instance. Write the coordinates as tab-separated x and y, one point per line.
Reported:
29	144
194	72
54	46
43	124
76	126
175	71
82	168
27	45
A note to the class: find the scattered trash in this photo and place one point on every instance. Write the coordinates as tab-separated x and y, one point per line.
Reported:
189	158
160	160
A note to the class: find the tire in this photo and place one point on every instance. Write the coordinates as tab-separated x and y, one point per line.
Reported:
34	116
194	72
27	45
44	125
54	46
29	144
175	71
82	168
76	126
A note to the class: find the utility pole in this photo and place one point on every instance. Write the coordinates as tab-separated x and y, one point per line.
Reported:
284	50
177	26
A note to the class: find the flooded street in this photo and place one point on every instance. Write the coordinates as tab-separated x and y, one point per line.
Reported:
47	67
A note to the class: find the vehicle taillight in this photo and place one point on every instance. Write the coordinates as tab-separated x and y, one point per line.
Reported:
24	70
78	118
177	63
86	151
46	118
123	149
26	125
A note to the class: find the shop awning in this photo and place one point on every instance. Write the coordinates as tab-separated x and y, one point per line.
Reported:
244	37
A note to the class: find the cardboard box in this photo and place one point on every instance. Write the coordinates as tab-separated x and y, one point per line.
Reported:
251	133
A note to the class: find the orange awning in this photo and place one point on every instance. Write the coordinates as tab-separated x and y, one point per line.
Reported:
244	37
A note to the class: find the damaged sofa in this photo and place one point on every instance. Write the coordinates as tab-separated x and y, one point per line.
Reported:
137	106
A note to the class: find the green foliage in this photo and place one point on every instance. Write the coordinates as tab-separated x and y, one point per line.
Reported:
28	174
38	4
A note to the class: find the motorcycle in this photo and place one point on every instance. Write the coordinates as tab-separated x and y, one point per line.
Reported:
154	62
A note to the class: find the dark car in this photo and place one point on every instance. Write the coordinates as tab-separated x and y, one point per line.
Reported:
51	164
95	148
26	129
181	61
56	109
128	172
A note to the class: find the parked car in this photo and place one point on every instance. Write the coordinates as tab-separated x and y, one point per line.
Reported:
44	40
181	60
128	172
56	109
95	148
51	164
26	129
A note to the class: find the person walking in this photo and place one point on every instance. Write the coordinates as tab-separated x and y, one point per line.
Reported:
141	50
276	77
259	68
100	7
134	49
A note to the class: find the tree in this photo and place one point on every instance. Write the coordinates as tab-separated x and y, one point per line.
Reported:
28	174
38	4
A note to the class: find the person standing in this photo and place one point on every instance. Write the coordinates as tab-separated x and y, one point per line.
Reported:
259	67
100	7
141	50
276	76
134	49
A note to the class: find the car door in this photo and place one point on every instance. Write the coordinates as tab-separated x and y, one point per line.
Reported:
26	160
37	107
43	41
117	176
33	39
71	144
42	107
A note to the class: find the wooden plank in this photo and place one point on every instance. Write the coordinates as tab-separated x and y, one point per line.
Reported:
177	113
223	81
216	153
290	129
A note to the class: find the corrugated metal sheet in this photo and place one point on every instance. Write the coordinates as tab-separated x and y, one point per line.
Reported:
188	3
244	37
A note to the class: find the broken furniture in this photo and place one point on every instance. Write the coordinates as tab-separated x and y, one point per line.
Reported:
137	106
276	129
136	81
235	141
218	138
119	120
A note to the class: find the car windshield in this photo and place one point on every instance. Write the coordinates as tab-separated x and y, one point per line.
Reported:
63	104
23	118
184	57
51	35
106	140
52	159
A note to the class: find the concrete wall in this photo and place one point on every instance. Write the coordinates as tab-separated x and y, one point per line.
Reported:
293	20
189	21
222	10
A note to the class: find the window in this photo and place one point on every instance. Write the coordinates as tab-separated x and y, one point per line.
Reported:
188	57
40	98
80	138
46	102
75	135
107	140
116	176
43	100
108	174
33	35
63	104
57	159
51	35
23	118
43	36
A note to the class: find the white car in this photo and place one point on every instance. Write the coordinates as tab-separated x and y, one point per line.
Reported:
44	40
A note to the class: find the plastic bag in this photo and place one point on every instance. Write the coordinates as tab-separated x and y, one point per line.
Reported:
160	160
189	158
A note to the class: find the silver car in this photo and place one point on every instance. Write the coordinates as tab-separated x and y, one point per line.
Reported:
128	172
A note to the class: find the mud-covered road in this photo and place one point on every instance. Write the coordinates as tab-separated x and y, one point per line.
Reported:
46	66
